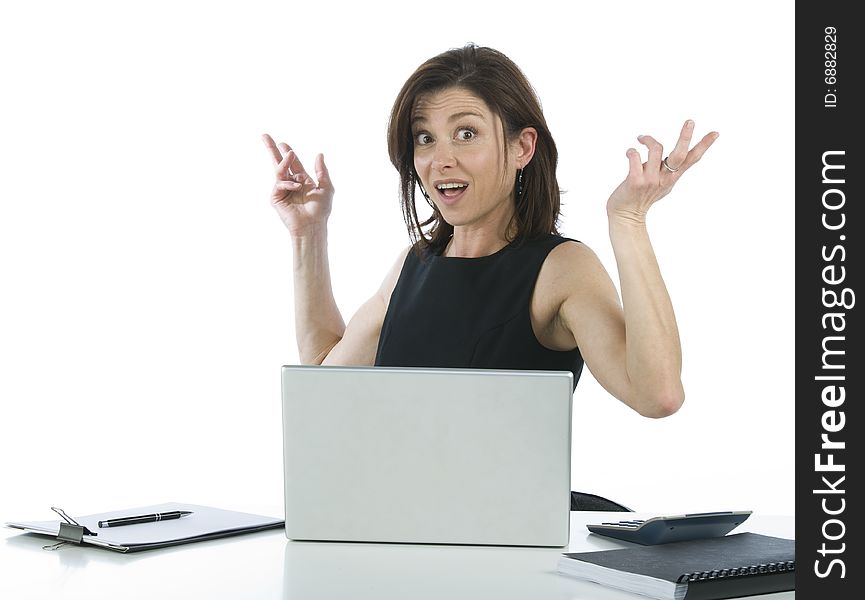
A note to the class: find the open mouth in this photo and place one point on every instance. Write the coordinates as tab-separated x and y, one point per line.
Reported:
450	193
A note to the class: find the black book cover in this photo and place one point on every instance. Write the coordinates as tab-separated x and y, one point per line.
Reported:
712	568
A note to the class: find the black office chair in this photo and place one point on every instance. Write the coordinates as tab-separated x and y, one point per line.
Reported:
583	501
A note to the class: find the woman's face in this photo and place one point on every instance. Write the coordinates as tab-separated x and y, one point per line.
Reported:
457	139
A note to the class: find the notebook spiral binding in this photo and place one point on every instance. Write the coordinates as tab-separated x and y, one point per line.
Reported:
761	569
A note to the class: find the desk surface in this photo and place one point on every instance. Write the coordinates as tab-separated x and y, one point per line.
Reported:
266	565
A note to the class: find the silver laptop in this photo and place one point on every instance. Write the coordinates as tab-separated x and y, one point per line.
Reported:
441	456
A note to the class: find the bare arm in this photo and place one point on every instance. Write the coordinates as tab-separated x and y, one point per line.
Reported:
359	341
633	349
653	352
322	336
318	323
304	205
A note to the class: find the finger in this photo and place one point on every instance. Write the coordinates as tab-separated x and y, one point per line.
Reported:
680	152
295	165
282	169
275	154
288	186
634	163
321	172
290	167
655	151
697	151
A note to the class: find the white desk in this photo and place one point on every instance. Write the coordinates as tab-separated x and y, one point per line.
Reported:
265	565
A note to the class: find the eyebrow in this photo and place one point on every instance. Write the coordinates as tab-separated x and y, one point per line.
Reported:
453	117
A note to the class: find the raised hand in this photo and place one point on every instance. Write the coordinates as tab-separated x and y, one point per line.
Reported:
650	181
302	203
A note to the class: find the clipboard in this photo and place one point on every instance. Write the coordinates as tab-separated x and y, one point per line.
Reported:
206	523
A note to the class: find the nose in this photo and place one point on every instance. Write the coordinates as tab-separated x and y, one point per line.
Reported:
443	156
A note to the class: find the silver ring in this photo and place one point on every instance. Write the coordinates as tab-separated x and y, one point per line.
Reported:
668	167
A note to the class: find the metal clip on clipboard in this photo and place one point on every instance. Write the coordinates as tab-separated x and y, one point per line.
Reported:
70	532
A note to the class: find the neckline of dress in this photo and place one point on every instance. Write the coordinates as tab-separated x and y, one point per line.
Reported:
441	256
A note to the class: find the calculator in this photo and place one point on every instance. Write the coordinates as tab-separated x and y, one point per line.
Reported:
676	528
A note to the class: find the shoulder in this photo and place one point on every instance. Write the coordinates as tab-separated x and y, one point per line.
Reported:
390	280
396	267
570	268
554	248
570	259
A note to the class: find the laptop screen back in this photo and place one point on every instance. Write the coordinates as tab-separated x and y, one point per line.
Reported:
452	456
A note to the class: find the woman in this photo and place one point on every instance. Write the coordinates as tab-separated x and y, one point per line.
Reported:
488	282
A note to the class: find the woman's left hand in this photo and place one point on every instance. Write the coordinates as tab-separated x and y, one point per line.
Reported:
650	181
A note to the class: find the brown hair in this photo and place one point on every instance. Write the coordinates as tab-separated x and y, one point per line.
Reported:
494	78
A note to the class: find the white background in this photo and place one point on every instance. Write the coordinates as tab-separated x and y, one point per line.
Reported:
145	281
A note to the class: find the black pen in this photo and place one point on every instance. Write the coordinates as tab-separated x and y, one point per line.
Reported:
174	514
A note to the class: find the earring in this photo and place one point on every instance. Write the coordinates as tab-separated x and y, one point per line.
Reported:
519	184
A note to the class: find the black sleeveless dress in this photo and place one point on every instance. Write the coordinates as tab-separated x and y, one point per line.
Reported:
474	313
470	312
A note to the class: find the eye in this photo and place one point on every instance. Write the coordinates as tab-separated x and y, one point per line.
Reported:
466	133
422	138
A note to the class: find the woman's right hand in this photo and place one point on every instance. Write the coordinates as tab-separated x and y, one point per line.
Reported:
302	204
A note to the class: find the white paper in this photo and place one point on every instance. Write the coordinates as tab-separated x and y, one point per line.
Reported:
204	521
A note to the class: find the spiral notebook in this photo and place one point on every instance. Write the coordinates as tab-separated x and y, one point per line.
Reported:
743	564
